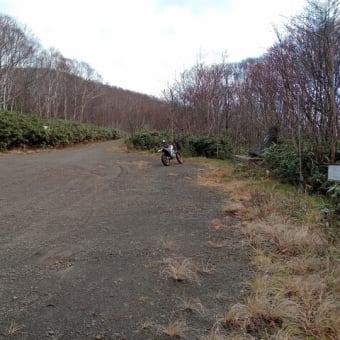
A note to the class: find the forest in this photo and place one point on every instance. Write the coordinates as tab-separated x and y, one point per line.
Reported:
294	86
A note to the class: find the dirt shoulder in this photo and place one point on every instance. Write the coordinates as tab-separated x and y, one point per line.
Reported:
91	240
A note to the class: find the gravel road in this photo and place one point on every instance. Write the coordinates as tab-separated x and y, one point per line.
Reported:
87	239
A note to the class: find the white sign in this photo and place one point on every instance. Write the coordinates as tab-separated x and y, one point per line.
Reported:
334	172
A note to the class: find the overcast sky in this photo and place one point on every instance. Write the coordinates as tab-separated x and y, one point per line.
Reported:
141	45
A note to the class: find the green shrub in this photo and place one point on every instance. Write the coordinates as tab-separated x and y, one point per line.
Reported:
205	146
148	140
17	129
284	162
189	145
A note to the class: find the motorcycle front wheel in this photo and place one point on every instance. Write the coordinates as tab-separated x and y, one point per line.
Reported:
179	157
165	160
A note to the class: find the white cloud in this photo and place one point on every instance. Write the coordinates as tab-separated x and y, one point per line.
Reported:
140	45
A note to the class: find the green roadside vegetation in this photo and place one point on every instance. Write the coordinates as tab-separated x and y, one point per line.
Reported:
190	145
306	168
18	130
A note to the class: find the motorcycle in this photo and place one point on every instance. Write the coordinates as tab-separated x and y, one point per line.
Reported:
169	152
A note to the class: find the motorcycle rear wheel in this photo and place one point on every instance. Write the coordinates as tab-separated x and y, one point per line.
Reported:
179	157
165	160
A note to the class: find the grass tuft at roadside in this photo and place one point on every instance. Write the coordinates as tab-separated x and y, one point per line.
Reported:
296	290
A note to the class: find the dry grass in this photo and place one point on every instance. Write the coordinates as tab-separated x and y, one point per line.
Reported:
217	333
260	312
296	292
306	288
321	319
286	237
224	179
191	305
205	268
264	203
303	265
13	329
180	270
263	261
147	325
168	244
282	334
236	208
175	329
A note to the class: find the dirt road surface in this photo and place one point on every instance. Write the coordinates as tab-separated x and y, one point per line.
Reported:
88	236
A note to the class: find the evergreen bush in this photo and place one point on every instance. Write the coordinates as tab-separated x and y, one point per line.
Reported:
17	130
189	145
148	140
284	161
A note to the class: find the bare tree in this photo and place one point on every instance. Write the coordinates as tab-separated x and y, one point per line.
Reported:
201	99
312	75
17	50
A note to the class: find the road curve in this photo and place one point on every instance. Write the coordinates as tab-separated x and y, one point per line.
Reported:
86	233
